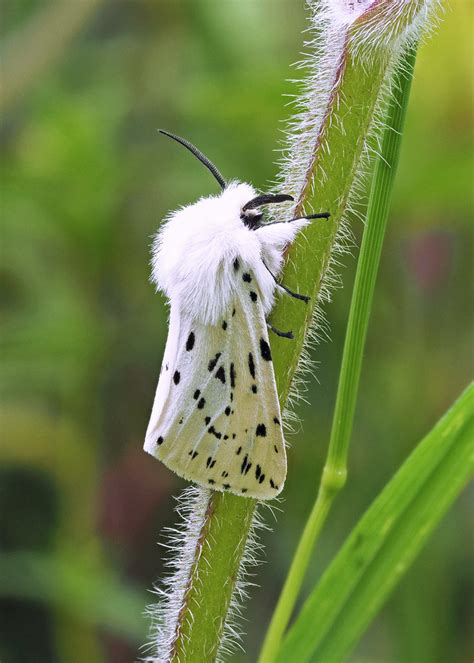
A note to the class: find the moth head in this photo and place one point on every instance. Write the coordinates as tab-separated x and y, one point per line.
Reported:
251	214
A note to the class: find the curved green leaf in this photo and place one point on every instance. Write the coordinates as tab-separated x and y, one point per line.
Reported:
385	541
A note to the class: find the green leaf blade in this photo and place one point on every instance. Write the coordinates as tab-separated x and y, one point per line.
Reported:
385	541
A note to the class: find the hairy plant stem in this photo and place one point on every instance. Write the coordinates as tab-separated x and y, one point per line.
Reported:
335	469
225	527
334	140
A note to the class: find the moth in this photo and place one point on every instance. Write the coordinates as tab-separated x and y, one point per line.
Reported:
216	417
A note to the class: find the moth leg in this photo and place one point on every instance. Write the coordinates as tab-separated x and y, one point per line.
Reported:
324	215
295	295
280	333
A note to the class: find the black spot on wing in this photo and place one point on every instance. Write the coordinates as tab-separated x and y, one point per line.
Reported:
210	462
273	484
190	341
224	474
253	296
196	394
246	465
233	312
213	431
251	365
160	440
224	325
236	264
237	453
244	490
220	374
207	420
201	403
265	350
254	389
193	454
276	421
246	277
232	376
275	448
213	362
259	475
176	377
226	486
211	481
227	411
261	430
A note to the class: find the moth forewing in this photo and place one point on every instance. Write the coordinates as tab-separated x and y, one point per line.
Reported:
216	418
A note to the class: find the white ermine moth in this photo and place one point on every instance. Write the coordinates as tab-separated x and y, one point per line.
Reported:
216	417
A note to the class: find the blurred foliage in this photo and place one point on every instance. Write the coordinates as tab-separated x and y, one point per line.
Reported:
85	182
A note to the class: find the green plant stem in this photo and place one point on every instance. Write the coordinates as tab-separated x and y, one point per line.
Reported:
335	470
226	523
367	269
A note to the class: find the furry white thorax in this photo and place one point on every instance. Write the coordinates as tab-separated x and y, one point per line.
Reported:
195	249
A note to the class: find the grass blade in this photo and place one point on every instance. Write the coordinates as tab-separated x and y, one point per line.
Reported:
385	541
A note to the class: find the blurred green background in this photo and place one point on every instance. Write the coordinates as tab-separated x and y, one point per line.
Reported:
86	180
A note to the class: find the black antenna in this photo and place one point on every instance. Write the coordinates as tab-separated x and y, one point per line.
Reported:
265	199
199	155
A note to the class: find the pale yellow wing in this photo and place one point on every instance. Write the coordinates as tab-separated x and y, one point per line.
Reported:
216	418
